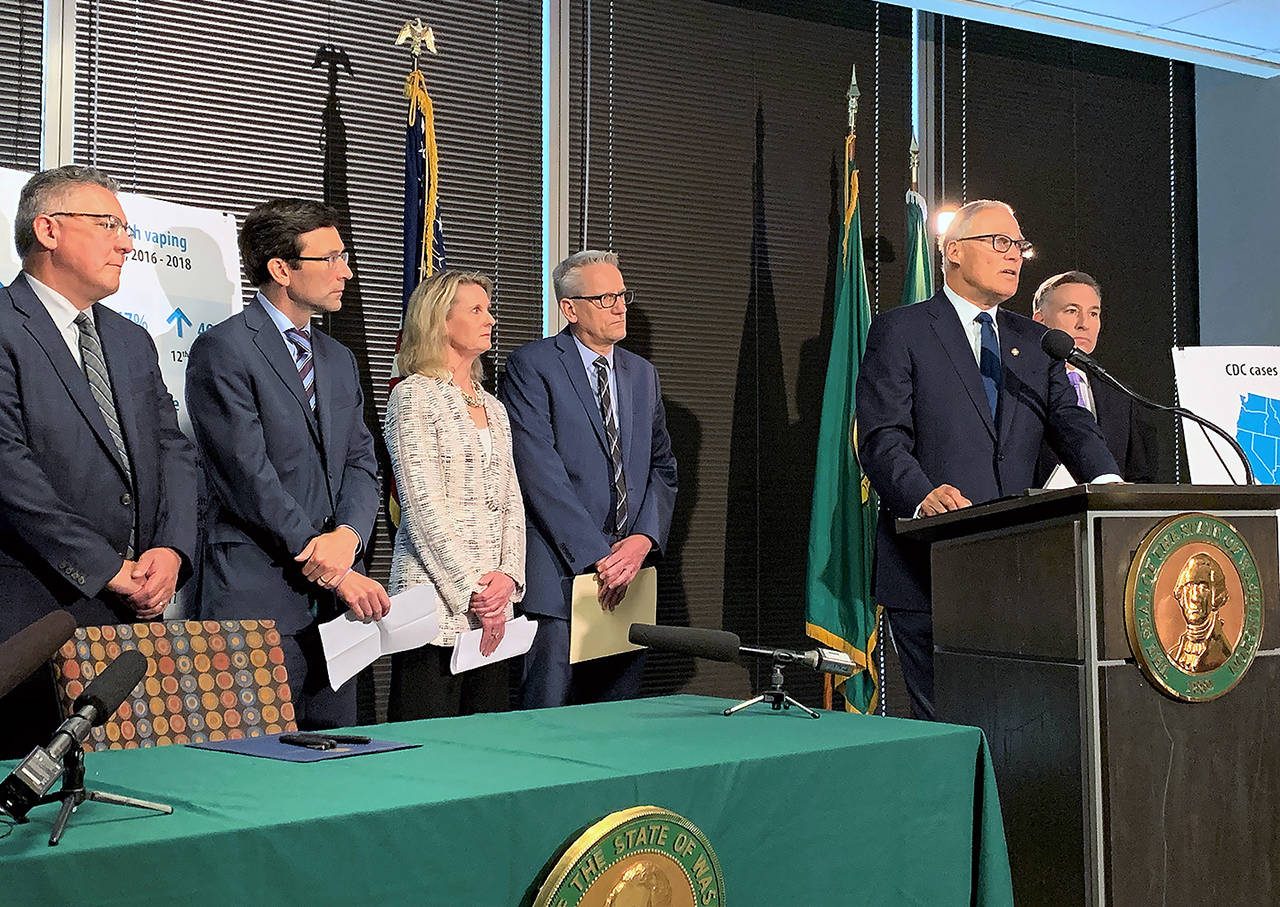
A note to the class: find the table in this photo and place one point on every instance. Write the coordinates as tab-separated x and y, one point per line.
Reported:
846	809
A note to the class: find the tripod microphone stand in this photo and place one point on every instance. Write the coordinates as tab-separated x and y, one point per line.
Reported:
73	793
776	696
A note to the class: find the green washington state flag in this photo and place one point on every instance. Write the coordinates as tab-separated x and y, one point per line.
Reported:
840	613
918	283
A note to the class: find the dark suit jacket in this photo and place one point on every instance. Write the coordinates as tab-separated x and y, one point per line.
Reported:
557	438
1130	437
924	421
279	475
65	504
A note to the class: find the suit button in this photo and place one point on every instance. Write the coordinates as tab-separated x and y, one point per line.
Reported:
126	499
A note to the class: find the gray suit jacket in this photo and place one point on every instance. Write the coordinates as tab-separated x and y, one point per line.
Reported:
278	473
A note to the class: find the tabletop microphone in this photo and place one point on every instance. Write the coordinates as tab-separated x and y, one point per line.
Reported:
33	645
36	774
1059	345
721	645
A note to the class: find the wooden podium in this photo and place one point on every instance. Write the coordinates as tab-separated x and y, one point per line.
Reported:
1112	791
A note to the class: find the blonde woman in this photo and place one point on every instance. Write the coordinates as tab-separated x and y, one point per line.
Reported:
462	520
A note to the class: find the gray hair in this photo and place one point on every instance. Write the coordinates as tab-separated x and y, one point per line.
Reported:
1061	280
564	278
42	191
959	225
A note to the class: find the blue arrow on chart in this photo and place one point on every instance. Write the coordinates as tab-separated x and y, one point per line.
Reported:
181	318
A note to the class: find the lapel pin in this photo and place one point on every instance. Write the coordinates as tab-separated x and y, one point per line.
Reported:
1014	351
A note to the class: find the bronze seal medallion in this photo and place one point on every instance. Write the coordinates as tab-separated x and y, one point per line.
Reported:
644	856
1193	607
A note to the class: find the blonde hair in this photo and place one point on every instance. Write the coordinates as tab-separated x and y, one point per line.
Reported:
424	342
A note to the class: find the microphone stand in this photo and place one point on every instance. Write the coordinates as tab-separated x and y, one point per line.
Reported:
1090	365
73	793
776	696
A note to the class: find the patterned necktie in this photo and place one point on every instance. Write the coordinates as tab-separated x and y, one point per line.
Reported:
95	369
615	446
301	340
989	361
1077	381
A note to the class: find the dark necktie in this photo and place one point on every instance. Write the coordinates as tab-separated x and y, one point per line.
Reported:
989	361
615	446
95	369
301	340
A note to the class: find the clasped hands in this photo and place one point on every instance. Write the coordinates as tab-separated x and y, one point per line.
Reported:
490	605
616	570
148	584
326	561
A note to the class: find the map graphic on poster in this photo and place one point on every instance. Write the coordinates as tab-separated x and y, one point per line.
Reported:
1238	388
182	277
1258	431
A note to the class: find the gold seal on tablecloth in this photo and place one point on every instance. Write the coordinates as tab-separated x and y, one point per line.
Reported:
644	856
1193	607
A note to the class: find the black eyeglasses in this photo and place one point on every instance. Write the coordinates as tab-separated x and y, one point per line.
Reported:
108	222
1002	243
609	300
333	258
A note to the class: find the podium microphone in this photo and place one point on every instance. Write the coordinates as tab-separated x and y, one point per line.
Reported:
1059	345
33	645
36	774
721	645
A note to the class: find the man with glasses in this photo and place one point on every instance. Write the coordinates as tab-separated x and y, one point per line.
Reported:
279	417
594	460
954	399
97	482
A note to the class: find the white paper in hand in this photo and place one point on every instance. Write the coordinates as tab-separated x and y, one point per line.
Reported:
350	645
516	640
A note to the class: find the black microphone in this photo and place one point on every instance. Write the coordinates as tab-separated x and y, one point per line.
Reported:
36	774
25	651
714	645
721	645
1059	345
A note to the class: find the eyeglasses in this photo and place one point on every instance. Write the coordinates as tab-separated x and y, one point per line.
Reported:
1002	243
333	258
108	222
609	300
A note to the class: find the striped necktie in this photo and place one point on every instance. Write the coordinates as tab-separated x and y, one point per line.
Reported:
95	369
614	444
301	340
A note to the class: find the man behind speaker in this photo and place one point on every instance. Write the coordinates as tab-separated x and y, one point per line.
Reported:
1072	302
97	482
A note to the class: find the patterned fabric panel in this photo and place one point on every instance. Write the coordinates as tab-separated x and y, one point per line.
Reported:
206	681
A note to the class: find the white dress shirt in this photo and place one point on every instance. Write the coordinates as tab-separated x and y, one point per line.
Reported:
63	313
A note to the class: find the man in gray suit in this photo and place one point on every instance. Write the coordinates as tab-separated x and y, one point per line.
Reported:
279	417
592	453
97	483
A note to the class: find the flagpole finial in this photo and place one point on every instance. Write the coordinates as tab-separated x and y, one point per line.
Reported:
853	94
417	36
915	164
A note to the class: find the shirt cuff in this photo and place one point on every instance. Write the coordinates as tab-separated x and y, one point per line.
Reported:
360	538
1108	479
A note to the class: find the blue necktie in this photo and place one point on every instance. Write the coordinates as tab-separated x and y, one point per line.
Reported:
989	361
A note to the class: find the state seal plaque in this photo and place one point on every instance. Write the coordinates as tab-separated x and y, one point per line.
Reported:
644	856
1193	607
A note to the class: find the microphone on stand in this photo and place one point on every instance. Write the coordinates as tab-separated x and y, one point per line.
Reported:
1059	345
36	774
721	645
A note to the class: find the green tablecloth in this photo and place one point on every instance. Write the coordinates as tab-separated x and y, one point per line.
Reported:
844	810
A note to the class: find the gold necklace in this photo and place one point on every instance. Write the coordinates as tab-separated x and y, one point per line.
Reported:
471	399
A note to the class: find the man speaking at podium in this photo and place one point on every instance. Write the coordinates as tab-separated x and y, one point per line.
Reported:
954	399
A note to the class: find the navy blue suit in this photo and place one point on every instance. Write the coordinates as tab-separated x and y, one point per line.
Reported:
66	505
563	465
1130	436
279	475
924	420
